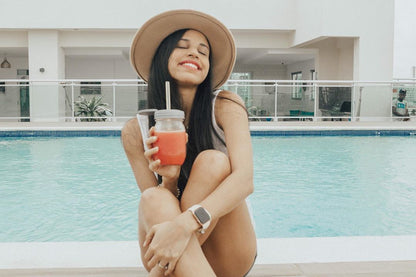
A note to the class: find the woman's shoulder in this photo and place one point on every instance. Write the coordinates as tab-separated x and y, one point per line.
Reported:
232	97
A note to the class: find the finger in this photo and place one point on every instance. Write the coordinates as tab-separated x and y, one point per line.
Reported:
150	142
148	154
153	166
171	267
148	256
149	237
163	264
152	131
153	262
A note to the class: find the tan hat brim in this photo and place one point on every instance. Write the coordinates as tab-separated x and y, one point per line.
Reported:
155	30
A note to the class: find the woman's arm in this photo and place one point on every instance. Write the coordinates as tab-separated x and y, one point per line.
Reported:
232	119
133	146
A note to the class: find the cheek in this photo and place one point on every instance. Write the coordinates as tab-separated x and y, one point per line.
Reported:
206	67
170	65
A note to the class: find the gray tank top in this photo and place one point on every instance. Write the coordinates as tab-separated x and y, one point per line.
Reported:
218	145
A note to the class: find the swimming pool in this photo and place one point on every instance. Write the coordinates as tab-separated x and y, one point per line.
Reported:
82	188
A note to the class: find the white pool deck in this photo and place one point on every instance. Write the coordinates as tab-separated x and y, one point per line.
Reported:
324	257
332	256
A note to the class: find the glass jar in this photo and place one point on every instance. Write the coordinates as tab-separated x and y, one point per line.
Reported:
171	137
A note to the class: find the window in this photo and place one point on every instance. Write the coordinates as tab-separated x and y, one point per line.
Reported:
297	87
90	88
2	87
23	72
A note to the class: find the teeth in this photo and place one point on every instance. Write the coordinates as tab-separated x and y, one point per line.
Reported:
190	65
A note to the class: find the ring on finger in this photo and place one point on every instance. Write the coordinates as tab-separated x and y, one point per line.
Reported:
163	267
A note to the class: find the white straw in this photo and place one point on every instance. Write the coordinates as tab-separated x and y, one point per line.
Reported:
167	87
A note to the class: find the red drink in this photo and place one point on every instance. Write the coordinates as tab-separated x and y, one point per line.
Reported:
172	147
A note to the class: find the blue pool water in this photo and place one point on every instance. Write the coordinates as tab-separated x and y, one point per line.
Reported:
82	188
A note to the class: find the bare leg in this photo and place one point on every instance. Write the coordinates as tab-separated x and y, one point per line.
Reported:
158	205
230	243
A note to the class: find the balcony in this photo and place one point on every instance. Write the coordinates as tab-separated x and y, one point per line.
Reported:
265	100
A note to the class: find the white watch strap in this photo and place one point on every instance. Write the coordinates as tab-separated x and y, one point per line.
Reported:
205	225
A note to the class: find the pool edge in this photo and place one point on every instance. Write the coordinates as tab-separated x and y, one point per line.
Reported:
125	254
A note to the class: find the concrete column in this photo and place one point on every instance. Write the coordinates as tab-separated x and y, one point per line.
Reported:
375	64
46	62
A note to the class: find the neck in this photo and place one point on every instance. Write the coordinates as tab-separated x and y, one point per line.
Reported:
187	96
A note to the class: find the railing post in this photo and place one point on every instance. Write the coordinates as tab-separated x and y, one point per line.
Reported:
315	104
72	102
353	97
275	101
391	102
114	101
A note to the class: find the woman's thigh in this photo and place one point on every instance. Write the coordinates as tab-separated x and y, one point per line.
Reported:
230	242
232	247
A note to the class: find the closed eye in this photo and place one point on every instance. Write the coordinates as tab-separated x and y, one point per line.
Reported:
202	49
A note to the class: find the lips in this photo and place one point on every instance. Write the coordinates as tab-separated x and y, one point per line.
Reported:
190	64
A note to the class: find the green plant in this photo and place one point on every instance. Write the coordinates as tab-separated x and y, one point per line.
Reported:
93	107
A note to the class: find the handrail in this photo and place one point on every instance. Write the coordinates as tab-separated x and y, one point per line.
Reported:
271	88
271	82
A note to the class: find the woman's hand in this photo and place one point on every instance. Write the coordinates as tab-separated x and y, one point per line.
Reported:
167	242
169	173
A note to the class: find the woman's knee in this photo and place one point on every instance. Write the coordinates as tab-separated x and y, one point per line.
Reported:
214	162
157	201
210	168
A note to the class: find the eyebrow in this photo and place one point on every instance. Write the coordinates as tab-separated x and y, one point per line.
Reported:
201	44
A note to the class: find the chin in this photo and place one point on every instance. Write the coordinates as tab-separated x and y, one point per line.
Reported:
189	81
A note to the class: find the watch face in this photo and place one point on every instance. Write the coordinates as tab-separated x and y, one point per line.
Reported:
202	215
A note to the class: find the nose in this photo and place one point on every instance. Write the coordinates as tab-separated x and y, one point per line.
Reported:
193	52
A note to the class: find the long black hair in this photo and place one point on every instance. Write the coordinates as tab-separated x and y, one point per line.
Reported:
200	127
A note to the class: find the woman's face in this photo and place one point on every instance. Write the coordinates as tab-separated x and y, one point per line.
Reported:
189	62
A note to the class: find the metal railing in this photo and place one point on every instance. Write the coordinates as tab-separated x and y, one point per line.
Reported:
265	100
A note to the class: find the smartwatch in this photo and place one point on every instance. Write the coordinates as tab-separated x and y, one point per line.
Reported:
202	216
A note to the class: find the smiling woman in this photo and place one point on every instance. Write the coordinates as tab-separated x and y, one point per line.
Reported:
205	229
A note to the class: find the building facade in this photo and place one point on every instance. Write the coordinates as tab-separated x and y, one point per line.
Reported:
275	39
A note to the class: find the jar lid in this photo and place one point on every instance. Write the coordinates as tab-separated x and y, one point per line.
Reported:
164	114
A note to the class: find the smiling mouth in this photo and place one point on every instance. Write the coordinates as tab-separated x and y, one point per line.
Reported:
190	65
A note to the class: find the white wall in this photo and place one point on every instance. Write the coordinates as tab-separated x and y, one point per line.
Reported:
404	39
46	58
372	21
130	14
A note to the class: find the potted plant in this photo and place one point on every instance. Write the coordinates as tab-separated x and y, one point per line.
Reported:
93	107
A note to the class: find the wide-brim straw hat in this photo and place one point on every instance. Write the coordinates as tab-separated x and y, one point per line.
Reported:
155	30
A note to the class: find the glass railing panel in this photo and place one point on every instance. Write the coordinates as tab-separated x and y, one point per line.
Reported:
261	106
93	101
295	102
406	100
130	99
265	100
334	102
12	96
